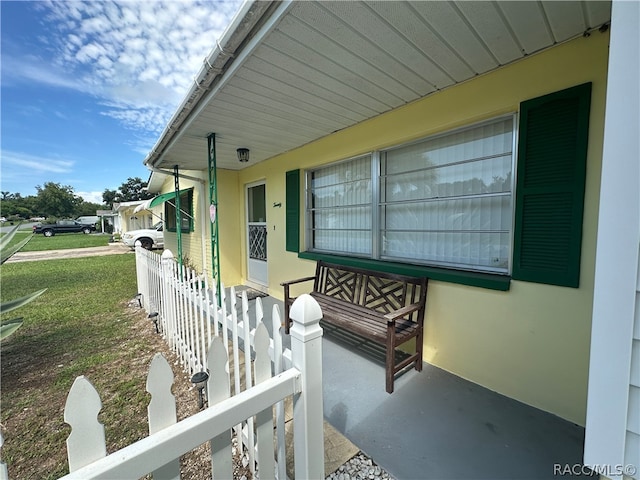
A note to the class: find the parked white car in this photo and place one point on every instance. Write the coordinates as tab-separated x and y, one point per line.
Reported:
149	237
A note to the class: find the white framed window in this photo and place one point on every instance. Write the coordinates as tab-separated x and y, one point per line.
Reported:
446	200
339	207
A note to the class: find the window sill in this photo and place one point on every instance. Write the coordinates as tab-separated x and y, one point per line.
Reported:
473	279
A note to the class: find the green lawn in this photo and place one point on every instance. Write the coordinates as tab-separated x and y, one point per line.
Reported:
61	241
84	324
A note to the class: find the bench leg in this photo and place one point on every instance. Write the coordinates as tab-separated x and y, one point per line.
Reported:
419	349
287	321
390	361
287	306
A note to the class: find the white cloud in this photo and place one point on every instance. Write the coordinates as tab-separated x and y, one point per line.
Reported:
91	52
33	69
35	165
93	197
139	57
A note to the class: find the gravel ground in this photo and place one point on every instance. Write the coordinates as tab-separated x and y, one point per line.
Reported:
359	467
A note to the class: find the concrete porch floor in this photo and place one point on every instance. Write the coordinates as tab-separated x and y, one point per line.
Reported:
436	425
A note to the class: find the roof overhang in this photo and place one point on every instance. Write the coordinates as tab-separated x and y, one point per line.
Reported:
122	206
287	73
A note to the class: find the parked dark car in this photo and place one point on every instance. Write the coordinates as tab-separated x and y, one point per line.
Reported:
63	226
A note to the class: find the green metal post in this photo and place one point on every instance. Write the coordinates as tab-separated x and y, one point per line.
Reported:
176	180
213	211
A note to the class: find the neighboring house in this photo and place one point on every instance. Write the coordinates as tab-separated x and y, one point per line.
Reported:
488	145
107	220
128	219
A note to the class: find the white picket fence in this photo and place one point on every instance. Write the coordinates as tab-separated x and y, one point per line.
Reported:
189	318
181	304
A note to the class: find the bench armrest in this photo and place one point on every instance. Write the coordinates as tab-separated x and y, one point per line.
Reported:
287	300
299	280
401	312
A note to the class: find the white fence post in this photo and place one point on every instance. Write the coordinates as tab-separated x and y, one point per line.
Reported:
306	353
4	471
236	361
248	376
86	442
168	308
162	409
218	389
264	419
142	274
280	411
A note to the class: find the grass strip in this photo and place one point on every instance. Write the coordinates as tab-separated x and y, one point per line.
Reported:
84	324
61	241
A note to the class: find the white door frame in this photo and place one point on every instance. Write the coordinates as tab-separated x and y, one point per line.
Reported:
256	242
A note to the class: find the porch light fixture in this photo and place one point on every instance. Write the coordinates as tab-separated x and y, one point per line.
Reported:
243	155
199	380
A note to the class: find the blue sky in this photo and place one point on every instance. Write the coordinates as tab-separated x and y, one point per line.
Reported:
87	87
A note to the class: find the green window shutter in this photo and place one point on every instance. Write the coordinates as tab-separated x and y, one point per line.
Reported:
552	158
292	211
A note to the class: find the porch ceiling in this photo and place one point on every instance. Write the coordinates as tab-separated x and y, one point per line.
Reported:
324	66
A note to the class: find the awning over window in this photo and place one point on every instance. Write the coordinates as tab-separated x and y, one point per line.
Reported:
152	202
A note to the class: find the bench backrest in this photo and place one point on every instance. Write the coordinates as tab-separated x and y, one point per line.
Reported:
379	291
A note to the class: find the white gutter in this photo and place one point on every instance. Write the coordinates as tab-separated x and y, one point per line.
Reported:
268	26
181	175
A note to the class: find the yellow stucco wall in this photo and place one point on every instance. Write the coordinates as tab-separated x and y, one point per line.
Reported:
191	242
231	228
530	343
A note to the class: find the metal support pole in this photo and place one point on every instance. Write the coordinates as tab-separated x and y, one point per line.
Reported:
213	213
176	179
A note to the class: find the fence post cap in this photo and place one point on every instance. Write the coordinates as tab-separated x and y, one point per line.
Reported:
166	254
305	310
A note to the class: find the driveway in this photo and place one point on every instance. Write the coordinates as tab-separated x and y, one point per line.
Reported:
111	249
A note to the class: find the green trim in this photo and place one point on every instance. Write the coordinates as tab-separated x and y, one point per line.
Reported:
473	279
165	196
292	208
552	150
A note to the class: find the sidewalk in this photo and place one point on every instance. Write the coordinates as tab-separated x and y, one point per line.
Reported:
111	249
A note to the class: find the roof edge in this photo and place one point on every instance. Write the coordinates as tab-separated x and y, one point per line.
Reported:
240	30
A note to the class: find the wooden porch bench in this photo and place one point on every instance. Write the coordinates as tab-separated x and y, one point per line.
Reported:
385	308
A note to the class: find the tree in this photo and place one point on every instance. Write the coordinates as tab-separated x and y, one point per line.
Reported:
14	204
131	190
109	196
55	200
88	208
11	196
